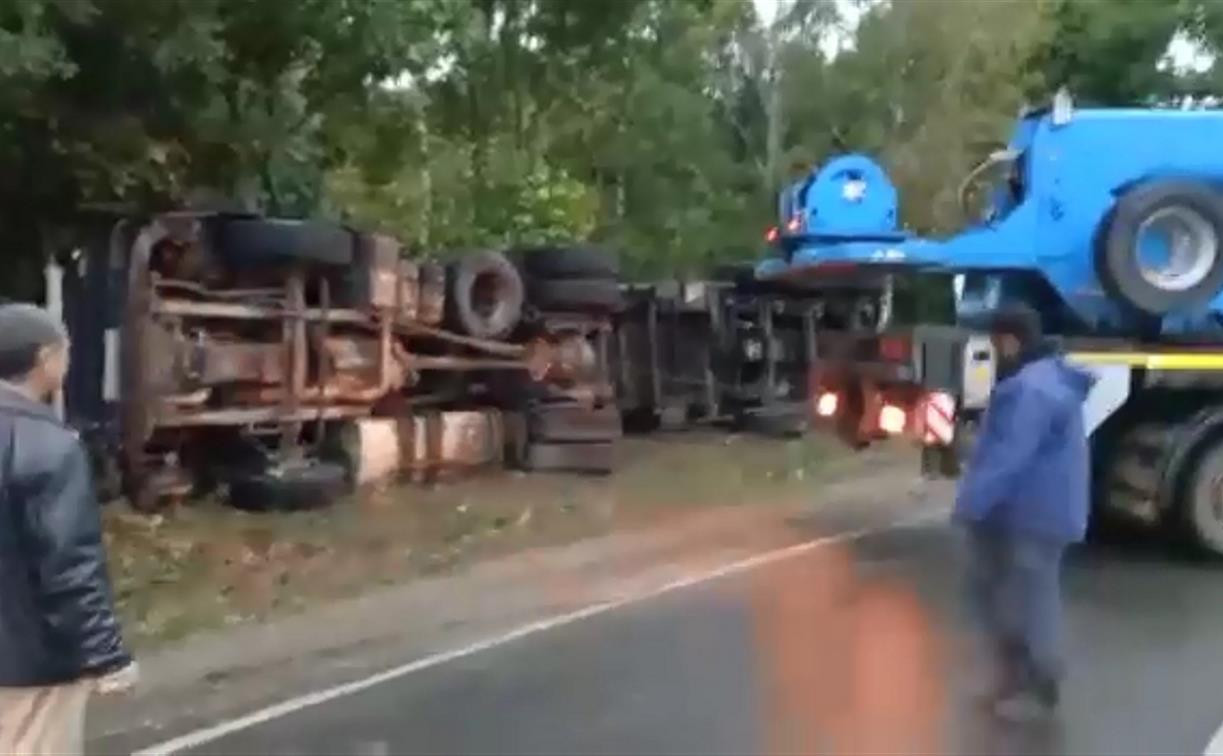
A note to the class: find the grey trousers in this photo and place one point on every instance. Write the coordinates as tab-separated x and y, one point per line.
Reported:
1015	591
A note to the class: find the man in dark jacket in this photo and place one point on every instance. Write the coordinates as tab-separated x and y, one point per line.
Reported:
1023	500
59	639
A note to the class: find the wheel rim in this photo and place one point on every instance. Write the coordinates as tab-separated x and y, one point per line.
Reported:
1177	248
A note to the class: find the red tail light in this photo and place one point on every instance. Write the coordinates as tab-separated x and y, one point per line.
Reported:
894	348
772	235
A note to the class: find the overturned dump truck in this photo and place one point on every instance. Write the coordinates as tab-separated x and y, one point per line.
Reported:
286	360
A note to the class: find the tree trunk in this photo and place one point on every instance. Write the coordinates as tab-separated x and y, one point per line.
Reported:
773	112
424	234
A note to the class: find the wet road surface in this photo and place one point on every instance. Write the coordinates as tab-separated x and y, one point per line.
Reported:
855	647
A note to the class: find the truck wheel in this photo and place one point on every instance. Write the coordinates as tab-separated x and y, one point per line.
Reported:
573	423
292	487
593	458
565	262
1204	505
248	242
1162	247
485	295
593	295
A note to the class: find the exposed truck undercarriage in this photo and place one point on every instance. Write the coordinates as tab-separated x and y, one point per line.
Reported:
288	359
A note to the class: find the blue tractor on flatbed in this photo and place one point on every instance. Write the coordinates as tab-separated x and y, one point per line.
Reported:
1117	212
1110	223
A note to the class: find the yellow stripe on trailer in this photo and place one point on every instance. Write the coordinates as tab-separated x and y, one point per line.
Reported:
1153	360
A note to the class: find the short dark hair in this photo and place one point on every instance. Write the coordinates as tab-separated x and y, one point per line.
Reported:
1018	320
24	330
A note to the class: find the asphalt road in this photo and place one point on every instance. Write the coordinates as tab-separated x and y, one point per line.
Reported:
856	647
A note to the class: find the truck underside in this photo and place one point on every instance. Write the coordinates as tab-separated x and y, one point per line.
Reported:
289	359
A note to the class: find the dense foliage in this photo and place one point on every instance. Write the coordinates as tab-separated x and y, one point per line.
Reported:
661	127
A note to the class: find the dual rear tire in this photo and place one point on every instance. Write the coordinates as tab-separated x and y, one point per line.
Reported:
571	279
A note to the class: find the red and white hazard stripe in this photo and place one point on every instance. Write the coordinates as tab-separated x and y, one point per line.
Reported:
938	416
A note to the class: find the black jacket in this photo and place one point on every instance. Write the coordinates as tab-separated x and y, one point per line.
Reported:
57	621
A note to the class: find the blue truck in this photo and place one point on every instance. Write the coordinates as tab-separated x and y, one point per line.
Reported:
1108	222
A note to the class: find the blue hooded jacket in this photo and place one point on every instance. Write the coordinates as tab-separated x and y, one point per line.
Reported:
1029	472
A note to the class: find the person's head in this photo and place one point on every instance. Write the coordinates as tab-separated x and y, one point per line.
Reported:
33	350
1014	330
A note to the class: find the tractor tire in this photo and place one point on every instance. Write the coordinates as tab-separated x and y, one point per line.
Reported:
1190	215
290	488
582	295
1203	505
573	423
485	295
254	242
594	458
567	262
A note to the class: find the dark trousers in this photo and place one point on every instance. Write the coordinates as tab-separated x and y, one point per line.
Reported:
1015	591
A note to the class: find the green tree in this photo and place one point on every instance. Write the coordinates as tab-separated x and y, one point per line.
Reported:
130	106
1107	52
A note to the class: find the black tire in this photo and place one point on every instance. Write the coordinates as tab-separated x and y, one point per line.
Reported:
289	488
484	295
1203	503
565	262
251	242
595	458
573	423
1199	209
588	295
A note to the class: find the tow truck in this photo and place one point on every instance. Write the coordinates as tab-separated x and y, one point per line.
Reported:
1106	221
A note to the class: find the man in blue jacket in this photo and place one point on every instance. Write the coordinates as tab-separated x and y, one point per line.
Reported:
1023	500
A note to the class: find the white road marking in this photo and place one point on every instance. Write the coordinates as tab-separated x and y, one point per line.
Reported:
1215	747
215	732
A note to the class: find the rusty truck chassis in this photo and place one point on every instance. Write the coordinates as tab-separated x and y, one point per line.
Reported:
188	362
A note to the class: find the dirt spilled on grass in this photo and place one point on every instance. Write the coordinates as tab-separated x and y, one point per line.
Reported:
205	565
